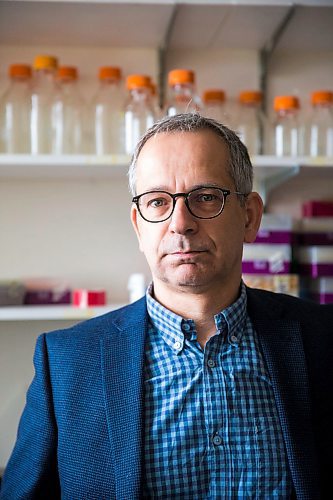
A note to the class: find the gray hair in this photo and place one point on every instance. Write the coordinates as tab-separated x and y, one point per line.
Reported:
239	168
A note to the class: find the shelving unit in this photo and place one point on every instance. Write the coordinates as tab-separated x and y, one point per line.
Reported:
63	167
269	171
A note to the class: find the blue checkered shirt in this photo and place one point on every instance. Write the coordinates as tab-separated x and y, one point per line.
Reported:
211	424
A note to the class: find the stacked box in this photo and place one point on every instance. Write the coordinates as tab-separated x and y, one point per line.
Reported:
315	251
267	263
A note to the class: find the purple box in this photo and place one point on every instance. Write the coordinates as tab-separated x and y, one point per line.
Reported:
316	269
322	298
312	238
47	297
274	237
265	267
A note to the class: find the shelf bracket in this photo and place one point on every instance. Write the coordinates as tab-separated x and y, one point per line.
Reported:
267	51
263	185
162	54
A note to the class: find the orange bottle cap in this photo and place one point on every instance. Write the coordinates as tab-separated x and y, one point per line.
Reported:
109	73
45	62
19	71
322	97
177	76
213	95
286	102
250	96
138	81
67	73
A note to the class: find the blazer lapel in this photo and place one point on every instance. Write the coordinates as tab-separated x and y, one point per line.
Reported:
283	351
122	355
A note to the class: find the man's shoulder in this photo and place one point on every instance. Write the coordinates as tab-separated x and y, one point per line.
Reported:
108	323
287	305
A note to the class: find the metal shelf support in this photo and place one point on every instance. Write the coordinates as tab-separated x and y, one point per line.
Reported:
265	183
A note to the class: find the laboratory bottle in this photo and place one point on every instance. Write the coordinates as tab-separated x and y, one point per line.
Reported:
70	137
108	117
319	129
139	110
250	121
15	111
286	128
182	93
155	101
214	106
46	106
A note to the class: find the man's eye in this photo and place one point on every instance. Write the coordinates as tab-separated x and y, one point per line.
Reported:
156	202
206	197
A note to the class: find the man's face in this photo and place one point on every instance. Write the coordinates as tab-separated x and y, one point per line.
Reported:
185	253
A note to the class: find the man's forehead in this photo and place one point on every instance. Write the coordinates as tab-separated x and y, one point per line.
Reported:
168	139
167	162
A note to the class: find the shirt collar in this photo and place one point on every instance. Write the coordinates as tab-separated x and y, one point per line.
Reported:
174	328
232	319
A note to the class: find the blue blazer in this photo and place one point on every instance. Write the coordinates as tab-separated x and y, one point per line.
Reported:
80	435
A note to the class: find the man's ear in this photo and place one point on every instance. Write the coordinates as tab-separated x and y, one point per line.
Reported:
134	219
254	208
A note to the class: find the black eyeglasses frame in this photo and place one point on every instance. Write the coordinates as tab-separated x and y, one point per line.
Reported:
225	192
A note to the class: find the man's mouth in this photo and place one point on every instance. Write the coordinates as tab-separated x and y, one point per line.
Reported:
187	253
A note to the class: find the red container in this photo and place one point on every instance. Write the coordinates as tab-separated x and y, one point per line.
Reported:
86	298
317	209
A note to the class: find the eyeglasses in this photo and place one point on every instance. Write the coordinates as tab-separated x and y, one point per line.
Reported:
203	203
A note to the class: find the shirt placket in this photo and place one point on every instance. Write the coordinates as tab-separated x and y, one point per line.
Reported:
216	415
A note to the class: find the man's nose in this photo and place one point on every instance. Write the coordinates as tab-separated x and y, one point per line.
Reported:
182	221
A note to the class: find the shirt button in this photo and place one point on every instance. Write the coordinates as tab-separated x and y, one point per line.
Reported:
211	363
217	440
177	345
186	327
234	339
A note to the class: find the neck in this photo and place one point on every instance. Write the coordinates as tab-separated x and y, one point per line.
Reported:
201	306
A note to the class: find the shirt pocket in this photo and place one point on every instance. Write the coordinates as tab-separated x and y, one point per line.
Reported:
271	463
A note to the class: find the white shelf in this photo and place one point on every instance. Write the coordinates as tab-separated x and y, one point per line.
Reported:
270	171
53	313
63	167
266	168
146	23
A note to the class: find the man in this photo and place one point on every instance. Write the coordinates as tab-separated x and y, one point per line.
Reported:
202	389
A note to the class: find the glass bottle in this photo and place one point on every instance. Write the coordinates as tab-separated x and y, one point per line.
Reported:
320	125
214	106
139	110
182	98
286	127
46	107
108	113
155	101
250	121
15	111
70	137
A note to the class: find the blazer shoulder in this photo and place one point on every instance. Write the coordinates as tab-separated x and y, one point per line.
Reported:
287	306
110	322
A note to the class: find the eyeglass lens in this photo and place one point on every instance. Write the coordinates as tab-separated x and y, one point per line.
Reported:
204	203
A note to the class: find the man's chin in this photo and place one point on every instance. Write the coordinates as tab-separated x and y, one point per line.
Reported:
183	279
